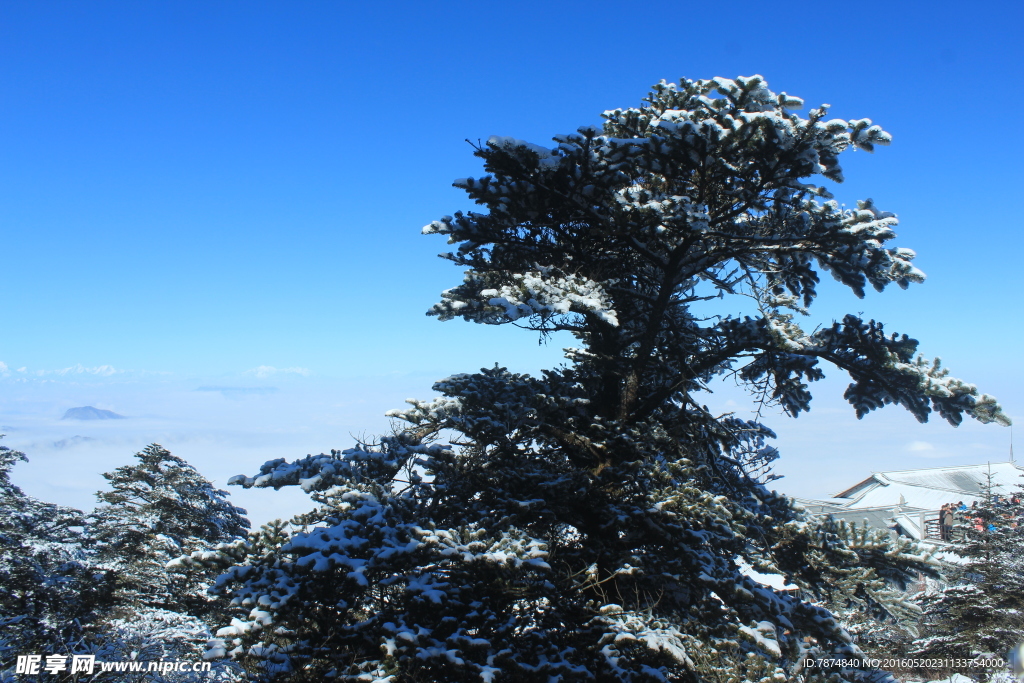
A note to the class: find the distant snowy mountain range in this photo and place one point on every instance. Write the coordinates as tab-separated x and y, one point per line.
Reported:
90	413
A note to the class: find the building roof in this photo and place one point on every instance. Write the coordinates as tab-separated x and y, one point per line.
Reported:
930	489
911	498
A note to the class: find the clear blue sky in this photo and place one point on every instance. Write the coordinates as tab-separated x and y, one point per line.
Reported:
190	191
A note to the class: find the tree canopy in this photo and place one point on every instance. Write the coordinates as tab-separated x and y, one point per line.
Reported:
615	234
156	510
50	589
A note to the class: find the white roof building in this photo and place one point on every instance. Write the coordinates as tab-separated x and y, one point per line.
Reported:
908	501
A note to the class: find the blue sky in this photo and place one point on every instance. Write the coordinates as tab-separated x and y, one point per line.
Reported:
190	192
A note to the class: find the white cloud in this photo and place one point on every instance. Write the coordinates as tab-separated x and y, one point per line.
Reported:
920	447
74	373
268	370
79	369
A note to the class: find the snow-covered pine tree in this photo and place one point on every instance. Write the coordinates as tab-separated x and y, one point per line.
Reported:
588	524
980	612
258	548
49	589
871	602
157	510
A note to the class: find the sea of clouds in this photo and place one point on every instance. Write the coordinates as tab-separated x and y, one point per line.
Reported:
228	425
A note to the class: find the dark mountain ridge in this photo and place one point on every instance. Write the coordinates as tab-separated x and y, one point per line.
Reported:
90	413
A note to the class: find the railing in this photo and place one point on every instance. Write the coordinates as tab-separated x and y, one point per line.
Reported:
932	526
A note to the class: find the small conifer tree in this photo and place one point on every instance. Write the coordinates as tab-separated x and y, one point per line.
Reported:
155	511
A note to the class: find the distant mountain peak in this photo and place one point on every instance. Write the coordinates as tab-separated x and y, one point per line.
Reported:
90	413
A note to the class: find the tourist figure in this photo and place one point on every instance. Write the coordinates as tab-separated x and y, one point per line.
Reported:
946	522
